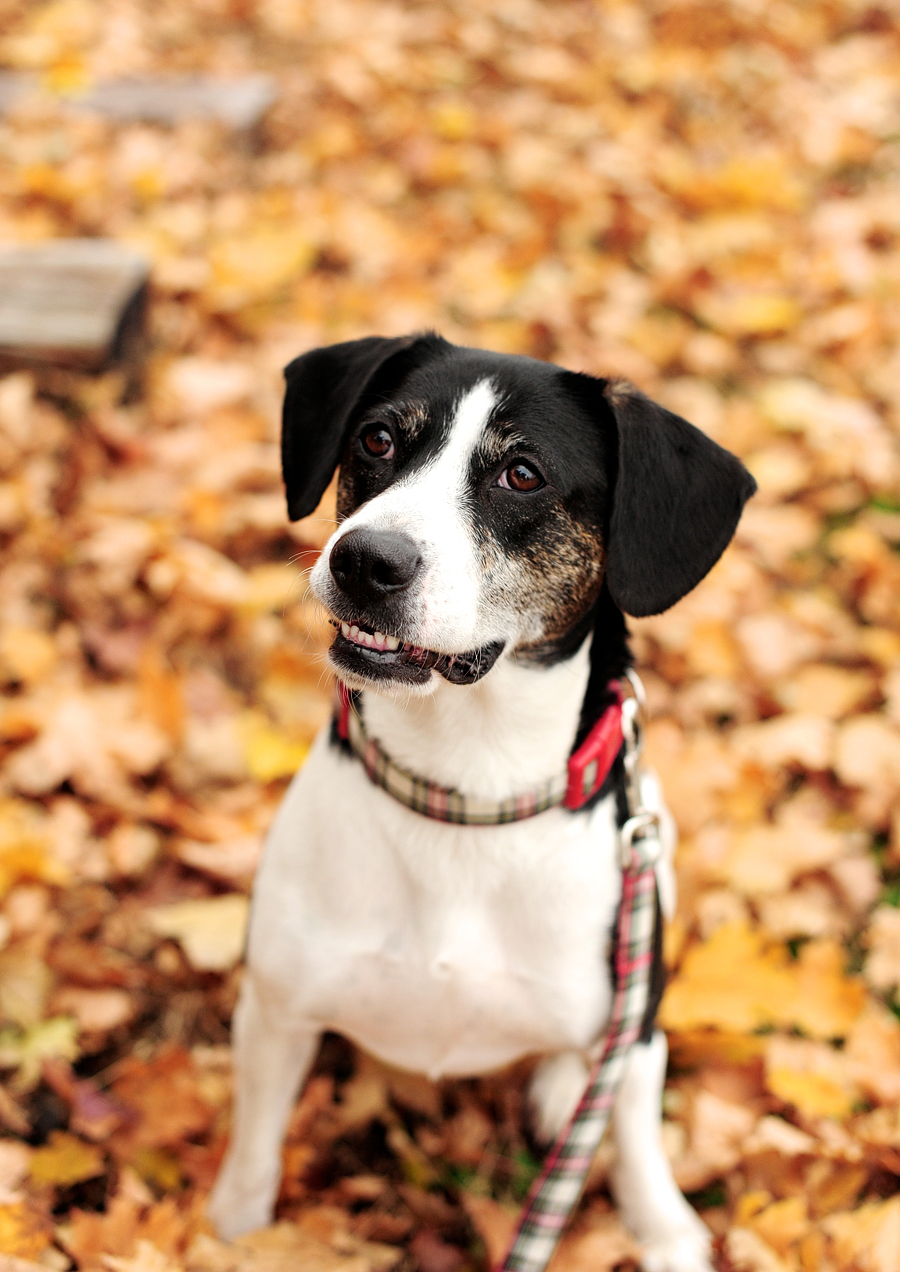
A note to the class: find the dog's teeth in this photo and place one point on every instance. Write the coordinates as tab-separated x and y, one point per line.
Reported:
379	638
354	633
345	629
392	642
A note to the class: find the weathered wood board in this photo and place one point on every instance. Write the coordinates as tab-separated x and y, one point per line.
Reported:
236	103
73	302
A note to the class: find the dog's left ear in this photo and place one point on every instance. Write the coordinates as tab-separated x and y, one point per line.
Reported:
324	387
676	500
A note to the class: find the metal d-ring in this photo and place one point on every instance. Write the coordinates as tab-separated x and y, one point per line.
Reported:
643	828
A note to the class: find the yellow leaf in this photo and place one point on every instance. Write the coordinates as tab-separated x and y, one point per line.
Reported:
23	1233
66	1160
709	991
67	77
752	314
29	861
25	653
752	182
25	982
824	690
158	1167
269	587
56	1037
254	266
454	121
812	1093
695	1047
782	1223
269	753
813	1076
828	1001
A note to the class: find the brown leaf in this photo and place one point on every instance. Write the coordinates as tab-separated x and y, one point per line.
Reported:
163	1094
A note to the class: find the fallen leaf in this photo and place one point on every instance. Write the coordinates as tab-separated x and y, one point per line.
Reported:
717	1129
494	1222
65	1160
748	1252
782	1224
24	1232
26	654
96	1010
868	753
705	992
269	753
811	1076
882	966
868	1238
211	931
164	1095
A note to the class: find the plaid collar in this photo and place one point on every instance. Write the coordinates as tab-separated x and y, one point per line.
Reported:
587	770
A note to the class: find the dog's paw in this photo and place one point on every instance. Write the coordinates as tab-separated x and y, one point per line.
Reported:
233	1211
687	1250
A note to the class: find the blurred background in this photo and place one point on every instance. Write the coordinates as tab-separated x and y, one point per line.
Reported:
704	198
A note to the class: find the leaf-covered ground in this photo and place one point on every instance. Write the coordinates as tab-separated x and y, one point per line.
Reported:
704	197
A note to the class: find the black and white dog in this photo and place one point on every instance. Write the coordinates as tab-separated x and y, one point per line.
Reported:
496	517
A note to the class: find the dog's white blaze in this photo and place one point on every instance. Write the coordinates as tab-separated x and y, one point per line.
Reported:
472	414
430	506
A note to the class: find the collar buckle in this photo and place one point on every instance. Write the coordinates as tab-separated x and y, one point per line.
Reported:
590	764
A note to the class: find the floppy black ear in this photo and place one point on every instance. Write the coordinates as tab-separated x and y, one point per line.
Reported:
323	388
676	496
676	503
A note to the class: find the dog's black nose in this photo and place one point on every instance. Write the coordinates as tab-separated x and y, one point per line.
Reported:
369	565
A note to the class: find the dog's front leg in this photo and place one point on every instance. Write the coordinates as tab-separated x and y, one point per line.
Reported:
272	1055
673	1238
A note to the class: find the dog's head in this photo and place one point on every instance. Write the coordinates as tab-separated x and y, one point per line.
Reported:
485	498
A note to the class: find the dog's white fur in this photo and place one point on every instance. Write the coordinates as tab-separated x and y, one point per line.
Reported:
444	949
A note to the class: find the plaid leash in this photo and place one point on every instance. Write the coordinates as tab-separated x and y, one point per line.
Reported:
557	1190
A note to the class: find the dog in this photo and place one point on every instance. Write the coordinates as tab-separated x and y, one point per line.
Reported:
497	517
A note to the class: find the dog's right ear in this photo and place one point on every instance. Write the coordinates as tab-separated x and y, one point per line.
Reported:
324	387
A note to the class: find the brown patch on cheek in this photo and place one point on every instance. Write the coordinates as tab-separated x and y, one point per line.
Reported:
554	581
346	495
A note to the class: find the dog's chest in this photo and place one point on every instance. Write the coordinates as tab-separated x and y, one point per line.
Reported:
441	949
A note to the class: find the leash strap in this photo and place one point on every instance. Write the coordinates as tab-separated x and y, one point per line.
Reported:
558	1188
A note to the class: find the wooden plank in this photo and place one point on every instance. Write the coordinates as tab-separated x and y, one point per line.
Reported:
74	302
236	103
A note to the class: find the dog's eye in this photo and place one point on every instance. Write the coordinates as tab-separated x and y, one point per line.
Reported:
378	442
520	476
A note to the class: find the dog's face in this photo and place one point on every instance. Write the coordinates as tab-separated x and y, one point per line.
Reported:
478	498
472	502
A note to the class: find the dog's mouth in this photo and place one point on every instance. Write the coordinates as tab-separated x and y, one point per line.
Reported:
373	654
